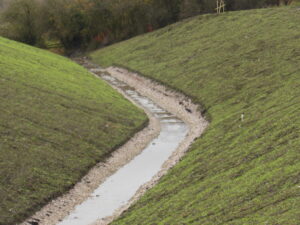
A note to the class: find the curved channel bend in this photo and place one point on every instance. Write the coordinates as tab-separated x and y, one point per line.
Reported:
119	188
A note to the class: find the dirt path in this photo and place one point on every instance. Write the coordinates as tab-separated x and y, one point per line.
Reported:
174	102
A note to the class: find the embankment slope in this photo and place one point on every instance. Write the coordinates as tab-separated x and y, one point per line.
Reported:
56	121
238	172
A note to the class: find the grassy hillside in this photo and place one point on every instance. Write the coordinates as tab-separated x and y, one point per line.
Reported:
237	172
56	121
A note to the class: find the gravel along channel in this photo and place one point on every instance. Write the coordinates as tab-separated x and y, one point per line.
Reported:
174	123
119	188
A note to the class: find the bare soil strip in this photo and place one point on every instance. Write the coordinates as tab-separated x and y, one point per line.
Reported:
172	101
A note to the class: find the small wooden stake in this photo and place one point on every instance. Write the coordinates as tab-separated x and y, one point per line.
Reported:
220	6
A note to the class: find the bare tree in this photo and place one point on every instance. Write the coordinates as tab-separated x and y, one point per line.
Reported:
21	15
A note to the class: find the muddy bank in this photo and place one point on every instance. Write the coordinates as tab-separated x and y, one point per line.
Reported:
173	102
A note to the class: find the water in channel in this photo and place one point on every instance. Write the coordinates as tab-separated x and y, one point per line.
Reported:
119	188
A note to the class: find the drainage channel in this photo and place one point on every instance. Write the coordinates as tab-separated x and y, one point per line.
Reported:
119	188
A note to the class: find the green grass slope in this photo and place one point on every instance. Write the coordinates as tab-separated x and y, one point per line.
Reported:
237	172
56	121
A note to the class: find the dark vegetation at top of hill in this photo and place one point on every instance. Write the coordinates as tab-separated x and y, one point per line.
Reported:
87	24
